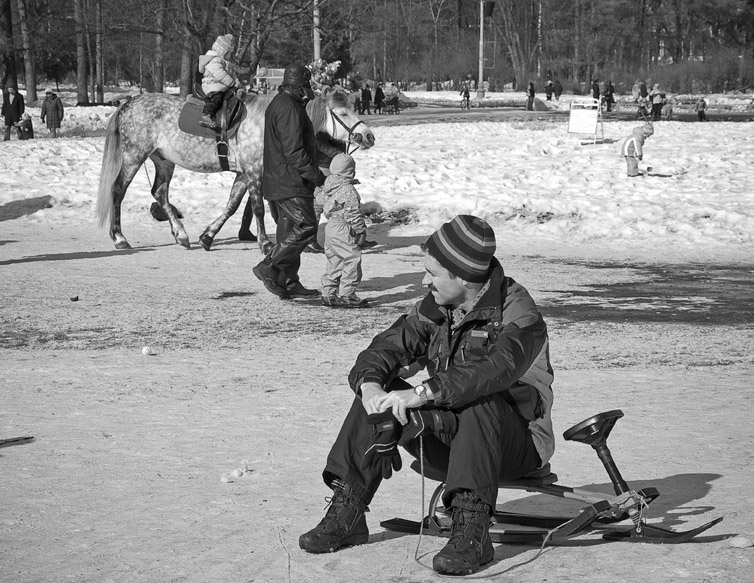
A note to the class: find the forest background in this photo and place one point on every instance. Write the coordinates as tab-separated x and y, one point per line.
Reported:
689	46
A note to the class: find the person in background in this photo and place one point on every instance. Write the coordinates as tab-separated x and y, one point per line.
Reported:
658	100
643	91
530	93
465	95
609	96
633	148
217	78
13	109
549	90
25	128
701	109
366	99
596	89
484	412
379	98
345	233
52	112
557	89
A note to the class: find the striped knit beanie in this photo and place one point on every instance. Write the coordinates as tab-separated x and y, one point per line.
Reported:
464	246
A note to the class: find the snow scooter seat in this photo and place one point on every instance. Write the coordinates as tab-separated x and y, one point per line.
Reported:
601	510
539	477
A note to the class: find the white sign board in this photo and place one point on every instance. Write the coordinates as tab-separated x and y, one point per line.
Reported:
585	114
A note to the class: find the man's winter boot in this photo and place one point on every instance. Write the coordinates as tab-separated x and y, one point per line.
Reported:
469	546
344	523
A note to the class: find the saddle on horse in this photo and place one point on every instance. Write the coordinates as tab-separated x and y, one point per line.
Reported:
230	115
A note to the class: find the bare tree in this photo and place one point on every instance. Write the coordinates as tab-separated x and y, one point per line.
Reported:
82	94
30	74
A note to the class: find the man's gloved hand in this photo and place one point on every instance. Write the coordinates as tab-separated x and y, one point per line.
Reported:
361	238
435	421
386	431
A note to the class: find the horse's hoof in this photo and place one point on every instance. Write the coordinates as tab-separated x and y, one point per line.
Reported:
206	241
122	245
246	236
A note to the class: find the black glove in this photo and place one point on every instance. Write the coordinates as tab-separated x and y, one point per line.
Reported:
361	238
383	450
435	421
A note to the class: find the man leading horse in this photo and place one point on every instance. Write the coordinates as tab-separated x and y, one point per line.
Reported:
289	178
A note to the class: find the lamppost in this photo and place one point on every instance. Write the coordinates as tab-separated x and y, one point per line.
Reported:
316	31
480	82
485	9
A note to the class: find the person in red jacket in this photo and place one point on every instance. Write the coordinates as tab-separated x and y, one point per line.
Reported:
290	175
483	412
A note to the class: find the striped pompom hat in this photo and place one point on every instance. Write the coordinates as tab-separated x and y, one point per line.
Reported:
464	246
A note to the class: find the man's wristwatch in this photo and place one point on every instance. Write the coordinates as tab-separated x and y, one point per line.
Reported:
424	393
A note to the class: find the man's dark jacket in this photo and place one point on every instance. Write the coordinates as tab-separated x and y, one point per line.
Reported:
13	109
500	346
290	150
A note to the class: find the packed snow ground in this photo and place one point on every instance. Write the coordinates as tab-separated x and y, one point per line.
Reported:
123	480
530	179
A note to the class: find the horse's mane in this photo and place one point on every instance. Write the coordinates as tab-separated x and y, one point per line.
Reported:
317	108
257	103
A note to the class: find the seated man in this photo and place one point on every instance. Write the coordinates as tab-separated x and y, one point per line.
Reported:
484	411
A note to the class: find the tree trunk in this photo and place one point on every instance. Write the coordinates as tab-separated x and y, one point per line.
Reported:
90	53
30	74
10	76
187	66
82	95
99	52
159	68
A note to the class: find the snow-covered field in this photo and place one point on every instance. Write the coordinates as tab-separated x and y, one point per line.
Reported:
644	284
531	179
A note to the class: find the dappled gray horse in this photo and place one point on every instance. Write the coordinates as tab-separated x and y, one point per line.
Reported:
147	127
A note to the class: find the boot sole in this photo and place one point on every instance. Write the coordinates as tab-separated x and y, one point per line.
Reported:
273	289
440	567
351	541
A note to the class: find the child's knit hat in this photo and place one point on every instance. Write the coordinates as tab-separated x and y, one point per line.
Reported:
223	44
345	166
648	129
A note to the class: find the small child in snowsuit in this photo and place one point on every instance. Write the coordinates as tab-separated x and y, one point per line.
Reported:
633	147
215	66
345	231
25	128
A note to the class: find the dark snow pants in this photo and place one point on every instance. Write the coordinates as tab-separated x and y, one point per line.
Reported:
492	443
296	228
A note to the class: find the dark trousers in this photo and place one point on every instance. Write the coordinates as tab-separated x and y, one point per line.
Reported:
656	111
6	135
296	228
214	103
492	443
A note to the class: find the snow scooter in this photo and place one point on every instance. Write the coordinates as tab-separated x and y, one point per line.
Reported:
601	511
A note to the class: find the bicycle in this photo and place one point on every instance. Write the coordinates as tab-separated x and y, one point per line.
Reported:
465	103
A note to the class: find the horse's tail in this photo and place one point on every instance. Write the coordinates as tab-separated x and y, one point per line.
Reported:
112	161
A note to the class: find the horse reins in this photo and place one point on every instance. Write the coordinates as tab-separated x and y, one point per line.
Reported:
351	139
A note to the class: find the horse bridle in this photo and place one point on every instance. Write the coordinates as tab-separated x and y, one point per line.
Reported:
353	138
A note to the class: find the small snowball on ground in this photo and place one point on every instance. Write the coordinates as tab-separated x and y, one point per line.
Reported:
741	542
